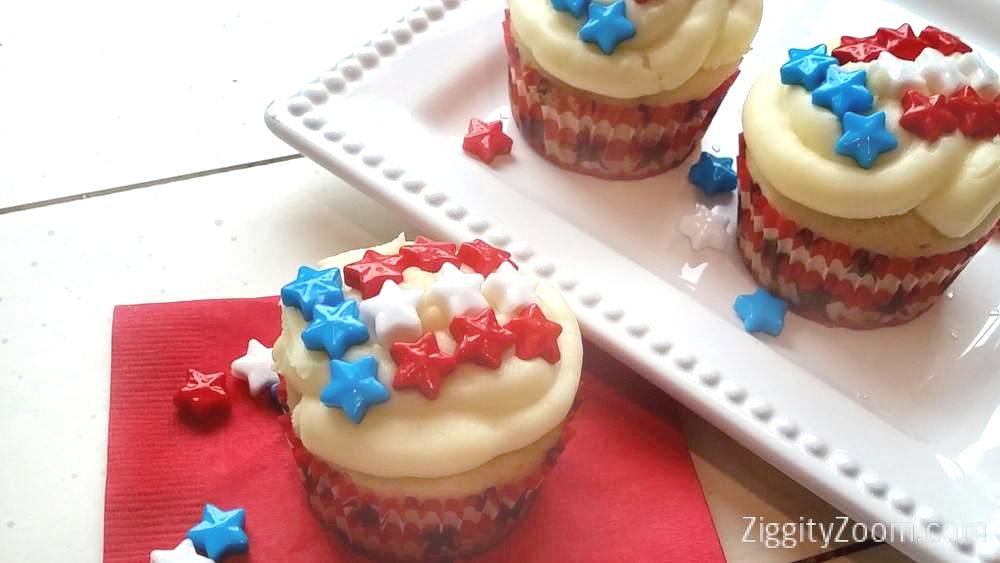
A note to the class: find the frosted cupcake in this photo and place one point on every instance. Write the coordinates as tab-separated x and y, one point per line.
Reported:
429	387
869	174
623	89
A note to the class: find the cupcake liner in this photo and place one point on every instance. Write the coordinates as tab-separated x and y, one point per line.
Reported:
833	283
599	138
392	528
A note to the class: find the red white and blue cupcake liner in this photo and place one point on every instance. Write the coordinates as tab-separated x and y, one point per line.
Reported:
831	282
390	528
615	141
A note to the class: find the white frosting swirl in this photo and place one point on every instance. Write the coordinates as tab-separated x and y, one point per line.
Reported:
675	41
953	184
479	415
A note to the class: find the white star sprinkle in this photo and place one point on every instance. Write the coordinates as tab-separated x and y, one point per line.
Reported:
507	290
256	367
391	315
706	228
892	77
183	553
982	77
941	73
456	292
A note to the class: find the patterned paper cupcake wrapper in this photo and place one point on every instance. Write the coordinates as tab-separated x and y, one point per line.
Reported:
407	529
830	282
598	138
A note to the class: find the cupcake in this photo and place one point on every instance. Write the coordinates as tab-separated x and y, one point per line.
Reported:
623	89
428	388
869	174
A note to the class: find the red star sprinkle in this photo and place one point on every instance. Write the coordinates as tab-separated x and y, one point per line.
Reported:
902	42
481	339
858	52
943	41
203	397
482	257
927	117
977	118
536	335
429	255
421	365
487	140
368	274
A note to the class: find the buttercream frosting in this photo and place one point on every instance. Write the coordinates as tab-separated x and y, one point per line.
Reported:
952	184
480	414
677	42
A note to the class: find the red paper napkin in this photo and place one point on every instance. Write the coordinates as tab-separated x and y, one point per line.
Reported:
624	490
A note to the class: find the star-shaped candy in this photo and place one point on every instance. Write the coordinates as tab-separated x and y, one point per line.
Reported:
507	290
429	255
575	7
890	76
481	340
487	140
902	41
456	292
857	50
607	26
761	312
313	287
335	329
807	67
204	396
865	138
713	175
843	92
927	117
482	257
706	228
256	367
421	365
220	532
977	118
941	73
183	553
980	75
392	314
943	41
535	335
374	269
354	388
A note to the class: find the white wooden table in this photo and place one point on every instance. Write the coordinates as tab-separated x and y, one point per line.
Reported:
136	167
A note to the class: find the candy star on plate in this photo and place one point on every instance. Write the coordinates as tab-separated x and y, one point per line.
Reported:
706	228
256	368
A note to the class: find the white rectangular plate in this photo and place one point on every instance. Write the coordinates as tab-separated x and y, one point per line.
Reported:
893	426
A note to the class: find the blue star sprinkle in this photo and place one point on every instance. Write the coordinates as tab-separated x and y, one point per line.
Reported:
575	7
843	92
220	532
354	388
311	288
335	329
761	312
865	138
807	67
607	26
713	175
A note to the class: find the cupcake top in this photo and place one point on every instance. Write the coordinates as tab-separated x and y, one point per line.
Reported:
424	359
883	126
634	48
